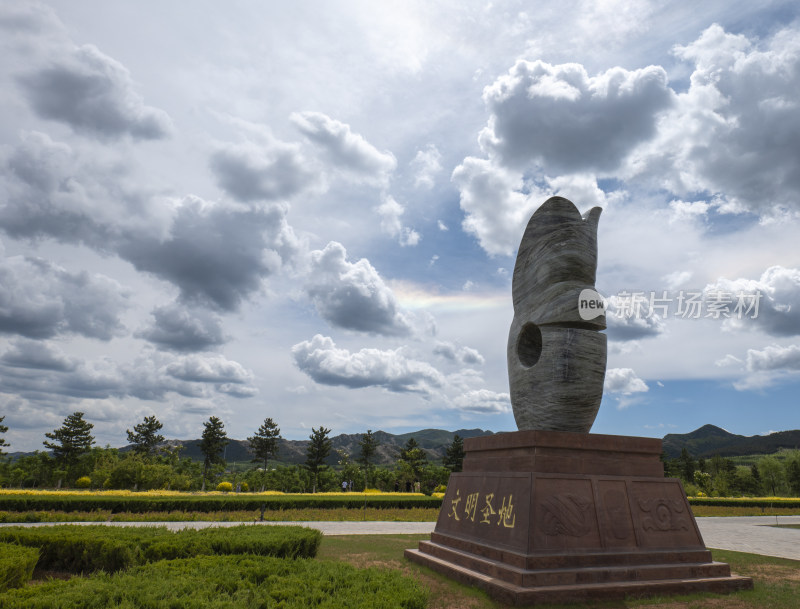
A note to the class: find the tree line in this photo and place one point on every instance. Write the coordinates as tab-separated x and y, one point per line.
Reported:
766	476
73	460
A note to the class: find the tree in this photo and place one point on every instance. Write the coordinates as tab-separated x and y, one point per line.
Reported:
454	457
317	452
771	473
3	429
414	457
369	446
212	444
70	440
793	473
145	436
264	443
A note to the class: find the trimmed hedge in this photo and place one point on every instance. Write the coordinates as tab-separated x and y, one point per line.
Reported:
79	549
16	565
228	582
757	502
215	503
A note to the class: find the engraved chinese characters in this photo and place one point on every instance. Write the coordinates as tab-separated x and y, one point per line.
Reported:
556	354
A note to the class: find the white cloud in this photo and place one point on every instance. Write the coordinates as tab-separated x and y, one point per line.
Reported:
391	212
774	357
427	164
352	295
320	359
623	381
461	355
483	401
770	303
345	149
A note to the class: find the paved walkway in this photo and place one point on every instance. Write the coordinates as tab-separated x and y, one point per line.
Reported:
752	534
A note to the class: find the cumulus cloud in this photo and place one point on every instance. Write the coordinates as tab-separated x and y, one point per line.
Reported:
631	318
346	150
427	165
483	401
767	367
623	381
496	208
391	212
774	357
36	371
320	359
461	355
353	295
736	131
770	303
93	94
559	117
39	299
179	328
252	172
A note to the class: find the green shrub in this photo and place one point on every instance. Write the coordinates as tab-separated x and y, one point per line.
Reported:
244	487
229	582
79	549
209	503
225	487
83	482
16	565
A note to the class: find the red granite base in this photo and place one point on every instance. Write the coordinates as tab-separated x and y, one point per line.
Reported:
543	517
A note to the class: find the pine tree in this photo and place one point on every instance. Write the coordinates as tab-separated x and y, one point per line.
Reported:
369	446
264	443
71	440
145	436
212	444
454	458
3	429
317	452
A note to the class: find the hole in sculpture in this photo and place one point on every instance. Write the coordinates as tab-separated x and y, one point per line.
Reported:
529	345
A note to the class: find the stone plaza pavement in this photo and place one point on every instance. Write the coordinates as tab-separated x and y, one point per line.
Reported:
754	534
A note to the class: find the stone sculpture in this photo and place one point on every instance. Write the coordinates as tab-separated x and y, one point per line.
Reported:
556	352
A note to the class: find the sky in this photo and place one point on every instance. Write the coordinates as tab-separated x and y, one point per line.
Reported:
310	211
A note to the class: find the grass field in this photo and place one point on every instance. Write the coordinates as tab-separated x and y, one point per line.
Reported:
777	581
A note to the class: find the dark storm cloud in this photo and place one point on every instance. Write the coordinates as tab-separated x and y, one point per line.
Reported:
94	95
216	255
36	355
180	328
41	300
565	120
251	173
353	295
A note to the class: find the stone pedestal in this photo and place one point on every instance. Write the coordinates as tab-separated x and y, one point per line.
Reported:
550	516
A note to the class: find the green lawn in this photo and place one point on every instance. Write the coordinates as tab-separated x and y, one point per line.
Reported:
777	581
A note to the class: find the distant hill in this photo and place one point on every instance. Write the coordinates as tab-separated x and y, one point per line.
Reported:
710	440
433	441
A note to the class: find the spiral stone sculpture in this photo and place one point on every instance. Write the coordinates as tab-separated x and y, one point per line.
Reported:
556	350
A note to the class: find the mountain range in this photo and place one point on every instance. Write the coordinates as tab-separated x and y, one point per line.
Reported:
707	441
